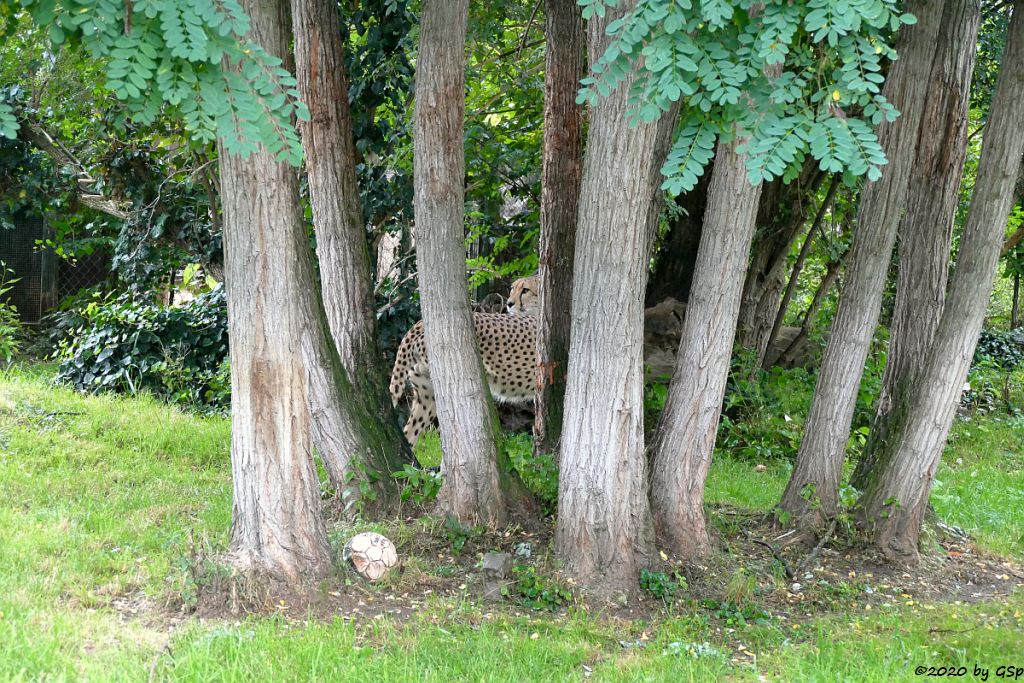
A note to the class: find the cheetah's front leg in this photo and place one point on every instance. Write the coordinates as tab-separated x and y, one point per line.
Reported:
422	413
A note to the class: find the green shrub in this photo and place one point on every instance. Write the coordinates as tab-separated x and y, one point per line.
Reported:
539	473
736	615
420	485
763	411
1001	349
10	323
666	587
129	346
535	591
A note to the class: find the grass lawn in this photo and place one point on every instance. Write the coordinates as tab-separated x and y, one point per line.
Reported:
101	497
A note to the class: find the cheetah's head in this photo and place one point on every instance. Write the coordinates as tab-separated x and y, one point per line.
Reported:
524	299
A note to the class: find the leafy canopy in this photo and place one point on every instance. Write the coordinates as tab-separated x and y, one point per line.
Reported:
186	58
717	57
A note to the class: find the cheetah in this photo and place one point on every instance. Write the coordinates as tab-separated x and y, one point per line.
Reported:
508	349
524	297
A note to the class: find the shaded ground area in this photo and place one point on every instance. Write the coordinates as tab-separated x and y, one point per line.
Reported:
792	584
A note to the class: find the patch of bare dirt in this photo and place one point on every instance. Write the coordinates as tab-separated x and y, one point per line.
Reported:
441	565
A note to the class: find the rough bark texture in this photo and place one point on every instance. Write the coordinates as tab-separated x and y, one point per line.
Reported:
603	531
781	216
686	433
813	489
371	433
896	498
560	192
277	527
472	489
926	233
673	272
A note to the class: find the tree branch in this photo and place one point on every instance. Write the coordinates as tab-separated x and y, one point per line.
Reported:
36	136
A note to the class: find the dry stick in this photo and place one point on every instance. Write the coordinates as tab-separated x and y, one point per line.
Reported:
798	266
813	555
1012	241
775	553
166	649
1015	311
812	311
526	31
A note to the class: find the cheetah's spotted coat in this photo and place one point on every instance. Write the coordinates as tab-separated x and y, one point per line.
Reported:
508	348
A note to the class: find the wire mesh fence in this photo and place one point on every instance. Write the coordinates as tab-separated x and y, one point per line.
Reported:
40	278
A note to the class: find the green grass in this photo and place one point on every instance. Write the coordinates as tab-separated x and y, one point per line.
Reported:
980	485
736	482
98	497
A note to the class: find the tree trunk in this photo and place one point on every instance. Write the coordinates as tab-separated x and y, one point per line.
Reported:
560	192
277	527
896	497
813	488
926	233
673	271
371	433
472	489
685	439
794	276
782	214
603	530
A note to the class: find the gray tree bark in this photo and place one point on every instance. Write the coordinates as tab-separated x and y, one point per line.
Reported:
812	493
683	445
603	530
351	409
560	192
277	527
926	233
896	498
474	482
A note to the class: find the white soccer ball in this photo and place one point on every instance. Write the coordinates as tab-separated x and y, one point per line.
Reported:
370	554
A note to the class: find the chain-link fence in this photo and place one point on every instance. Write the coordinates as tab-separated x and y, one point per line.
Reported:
42	278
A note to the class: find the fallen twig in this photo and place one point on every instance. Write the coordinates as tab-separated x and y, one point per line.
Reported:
775	553
813	555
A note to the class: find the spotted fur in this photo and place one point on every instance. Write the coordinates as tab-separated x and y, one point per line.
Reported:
508	349
524	297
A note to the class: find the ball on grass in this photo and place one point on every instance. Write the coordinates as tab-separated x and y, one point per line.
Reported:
371	555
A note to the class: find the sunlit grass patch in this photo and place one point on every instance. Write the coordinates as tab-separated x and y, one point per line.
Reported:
980	486
97	497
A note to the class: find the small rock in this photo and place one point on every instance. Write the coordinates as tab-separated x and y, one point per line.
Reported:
497	565
494	591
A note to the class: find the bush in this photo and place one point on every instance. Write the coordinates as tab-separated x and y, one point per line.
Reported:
539	473
536	591
10	323
1002	349
125	345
